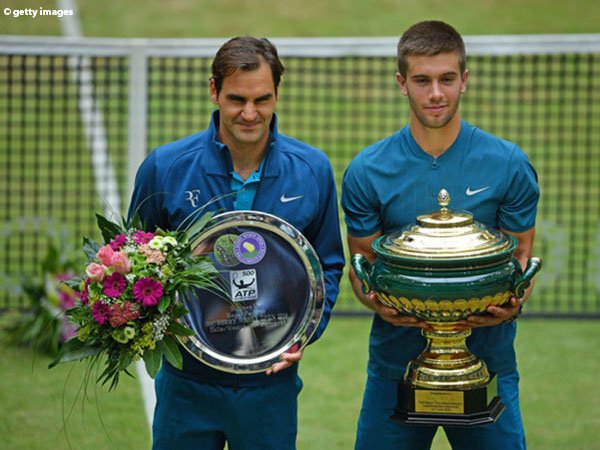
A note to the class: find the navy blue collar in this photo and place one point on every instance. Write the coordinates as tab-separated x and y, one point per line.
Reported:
217	161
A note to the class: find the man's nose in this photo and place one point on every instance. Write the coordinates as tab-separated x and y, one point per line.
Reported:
436	91
249	112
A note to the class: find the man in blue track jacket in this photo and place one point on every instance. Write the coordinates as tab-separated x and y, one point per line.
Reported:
241	154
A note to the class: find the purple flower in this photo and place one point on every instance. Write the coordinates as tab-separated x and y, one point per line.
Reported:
63	276
142	237
84	292
100	312
66	300
114	285
147	291
119	241
68	331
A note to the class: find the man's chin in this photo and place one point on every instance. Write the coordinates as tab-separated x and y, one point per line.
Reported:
435	122
249	138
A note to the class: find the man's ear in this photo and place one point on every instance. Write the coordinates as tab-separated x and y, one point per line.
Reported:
214	96
464	79
401	83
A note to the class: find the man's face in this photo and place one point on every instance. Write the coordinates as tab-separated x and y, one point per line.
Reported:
433	85
246	104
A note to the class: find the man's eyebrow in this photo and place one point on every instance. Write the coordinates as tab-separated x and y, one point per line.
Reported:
445	74
265	97
235	97
238	97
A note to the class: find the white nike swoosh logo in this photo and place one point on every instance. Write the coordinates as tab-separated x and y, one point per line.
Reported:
476	191
285	199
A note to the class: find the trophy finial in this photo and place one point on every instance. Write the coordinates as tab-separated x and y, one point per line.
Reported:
443	198
444	201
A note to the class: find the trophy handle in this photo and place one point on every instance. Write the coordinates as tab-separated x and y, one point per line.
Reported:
534	265
362	268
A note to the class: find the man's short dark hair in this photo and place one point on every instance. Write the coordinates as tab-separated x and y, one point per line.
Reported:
430	38
245	53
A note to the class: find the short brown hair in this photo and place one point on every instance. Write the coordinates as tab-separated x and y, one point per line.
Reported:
245	53
430	38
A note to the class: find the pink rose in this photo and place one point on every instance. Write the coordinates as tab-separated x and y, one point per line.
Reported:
105	254
95	272
120	262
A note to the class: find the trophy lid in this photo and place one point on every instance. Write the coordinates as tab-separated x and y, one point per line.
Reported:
445	235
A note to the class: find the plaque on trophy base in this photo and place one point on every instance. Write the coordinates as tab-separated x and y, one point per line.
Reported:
447	384
419	406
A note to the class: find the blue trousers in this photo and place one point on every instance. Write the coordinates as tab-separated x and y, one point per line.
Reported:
197	416
377	432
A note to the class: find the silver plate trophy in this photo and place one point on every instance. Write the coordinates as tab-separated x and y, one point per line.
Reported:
271	294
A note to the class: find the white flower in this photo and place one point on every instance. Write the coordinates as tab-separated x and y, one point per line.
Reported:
160	242
156	243
159	327
129	332
170	240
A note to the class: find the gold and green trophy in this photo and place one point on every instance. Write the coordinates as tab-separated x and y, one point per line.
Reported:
442	269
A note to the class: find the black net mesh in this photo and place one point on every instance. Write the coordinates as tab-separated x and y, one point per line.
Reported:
548	104
48	182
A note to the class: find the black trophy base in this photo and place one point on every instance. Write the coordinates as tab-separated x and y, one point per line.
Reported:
419	406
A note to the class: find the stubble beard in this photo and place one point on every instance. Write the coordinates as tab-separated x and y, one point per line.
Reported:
433	123
245	138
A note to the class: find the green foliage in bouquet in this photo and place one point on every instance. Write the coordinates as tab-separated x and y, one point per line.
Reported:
128	307
44	326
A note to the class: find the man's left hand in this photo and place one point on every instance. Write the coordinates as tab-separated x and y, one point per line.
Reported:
286	360
498	315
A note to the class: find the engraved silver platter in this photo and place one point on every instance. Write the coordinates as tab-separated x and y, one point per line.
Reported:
271	294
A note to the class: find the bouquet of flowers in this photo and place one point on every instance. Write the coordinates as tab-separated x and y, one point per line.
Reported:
128	306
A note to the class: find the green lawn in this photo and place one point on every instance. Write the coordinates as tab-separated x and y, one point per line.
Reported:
557	361
189	18
44	409
560	405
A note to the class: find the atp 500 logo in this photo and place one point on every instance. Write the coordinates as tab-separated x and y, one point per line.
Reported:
243	285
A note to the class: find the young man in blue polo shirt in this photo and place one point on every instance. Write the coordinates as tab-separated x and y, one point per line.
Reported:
241	153
398	178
